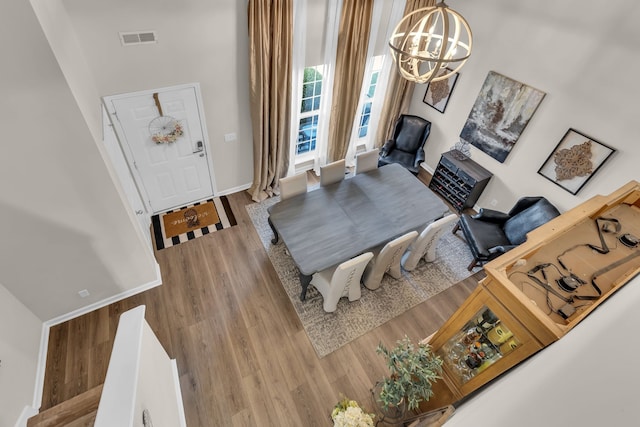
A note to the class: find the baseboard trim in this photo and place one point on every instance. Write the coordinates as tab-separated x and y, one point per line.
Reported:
46	326
426	167
27	412
110	300
234	190
42	365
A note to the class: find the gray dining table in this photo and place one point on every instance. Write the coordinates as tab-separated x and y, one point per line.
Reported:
327	226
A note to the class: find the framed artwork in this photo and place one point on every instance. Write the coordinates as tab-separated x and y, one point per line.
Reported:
438	93
575	160
500	114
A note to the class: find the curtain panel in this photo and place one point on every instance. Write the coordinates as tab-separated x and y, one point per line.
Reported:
270	63
351	57
399	91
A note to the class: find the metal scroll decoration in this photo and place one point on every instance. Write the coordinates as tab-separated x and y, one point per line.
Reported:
164	129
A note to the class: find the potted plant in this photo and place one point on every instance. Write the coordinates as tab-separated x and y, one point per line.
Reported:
412	370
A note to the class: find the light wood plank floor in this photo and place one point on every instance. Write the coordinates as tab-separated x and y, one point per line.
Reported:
242	355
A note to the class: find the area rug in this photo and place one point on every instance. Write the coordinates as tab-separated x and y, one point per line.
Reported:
192	221
330	331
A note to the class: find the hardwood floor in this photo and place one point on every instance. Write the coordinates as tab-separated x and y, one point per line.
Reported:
242	355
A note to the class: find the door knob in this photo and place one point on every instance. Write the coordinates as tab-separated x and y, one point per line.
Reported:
139	212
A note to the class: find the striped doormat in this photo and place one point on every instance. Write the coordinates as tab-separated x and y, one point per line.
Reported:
181	225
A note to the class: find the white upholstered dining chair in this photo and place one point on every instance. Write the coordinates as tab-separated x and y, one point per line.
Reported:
293	185
332	172
367	161
342	281
425	245
387	261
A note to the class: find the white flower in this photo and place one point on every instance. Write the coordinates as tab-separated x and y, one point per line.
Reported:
352	417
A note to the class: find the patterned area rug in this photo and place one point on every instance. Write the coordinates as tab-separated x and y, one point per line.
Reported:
330	331
187	223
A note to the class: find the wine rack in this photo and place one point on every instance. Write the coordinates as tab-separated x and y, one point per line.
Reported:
459	180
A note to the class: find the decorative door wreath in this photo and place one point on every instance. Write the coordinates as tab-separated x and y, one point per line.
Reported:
164	129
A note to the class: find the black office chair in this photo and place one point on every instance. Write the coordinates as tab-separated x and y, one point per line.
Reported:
406	146
490	233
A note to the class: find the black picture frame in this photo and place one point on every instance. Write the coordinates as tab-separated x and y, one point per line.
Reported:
438	93
575	160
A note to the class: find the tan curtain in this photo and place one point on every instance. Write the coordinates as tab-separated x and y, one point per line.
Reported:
399	90
270	56
351	57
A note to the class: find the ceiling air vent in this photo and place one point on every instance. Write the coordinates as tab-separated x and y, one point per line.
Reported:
138	37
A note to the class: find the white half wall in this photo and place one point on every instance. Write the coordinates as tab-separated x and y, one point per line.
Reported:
141	377
20	332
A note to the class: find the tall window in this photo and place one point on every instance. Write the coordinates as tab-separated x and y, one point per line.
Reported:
365	115
309	108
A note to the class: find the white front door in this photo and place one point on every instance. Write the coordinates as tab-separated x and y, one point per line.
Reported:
172	174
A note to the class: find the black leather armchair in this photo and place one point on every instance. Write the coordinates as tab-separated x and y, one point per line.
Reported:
406	146
491	233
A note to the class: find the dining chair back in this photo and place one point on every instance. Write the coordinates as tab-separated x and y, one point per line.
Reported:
425	245
342	281
367	161
387	261
293	185
332	172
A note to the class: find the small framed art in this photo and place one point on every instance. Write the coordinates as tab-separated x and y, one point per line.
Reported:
573	162
438	93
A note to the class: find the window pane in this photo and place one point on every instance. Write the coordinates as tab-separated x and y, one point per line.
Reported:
316	103
307	90
307	134
372	87
318	88
364	120
306	106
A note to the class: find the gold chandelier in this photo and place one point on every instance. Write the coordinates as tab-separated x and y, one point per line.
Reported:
431	47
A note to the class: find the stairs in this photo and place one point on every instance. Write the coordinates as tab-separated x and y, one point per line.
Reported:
79	411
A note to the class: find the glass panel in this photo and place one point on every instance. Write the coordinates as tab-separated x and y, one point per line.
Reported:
364	120
306	106
372	87
480	343
307	90
307	134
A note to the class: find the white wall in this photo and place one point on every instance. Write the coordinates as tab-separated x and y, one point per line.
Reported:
587	378
586	59
64	224
20	332
198	41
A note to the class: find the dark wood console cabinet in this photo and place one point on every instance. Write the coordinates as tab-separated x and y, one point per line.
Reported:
459	180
